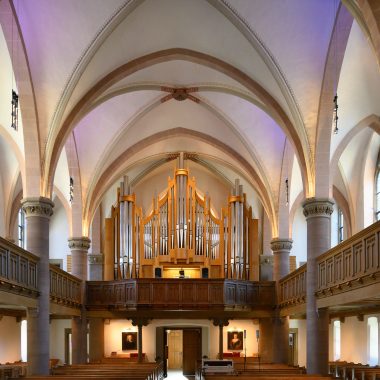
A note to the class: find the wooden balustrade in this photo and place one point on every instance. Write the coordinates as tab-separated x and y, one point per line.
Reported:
352	264
293	287
64	288
18	270
179	294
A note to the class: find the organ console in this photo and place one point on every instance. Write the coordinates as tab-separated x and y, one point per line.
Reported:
180	232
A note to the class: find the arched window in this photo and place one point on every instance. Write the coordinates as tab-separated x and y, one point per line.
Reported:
377	190
373	349
377	200
336	336
340	225
21	228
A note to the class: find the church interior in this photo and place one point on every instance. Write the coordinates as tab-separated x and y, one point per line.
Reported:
188	180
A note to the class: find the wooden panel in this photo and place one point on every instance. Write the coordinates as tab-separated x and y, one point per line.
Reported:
191	350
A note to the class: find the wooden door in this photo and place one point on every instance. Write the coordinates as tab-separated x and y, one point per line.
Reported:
192	350
175	349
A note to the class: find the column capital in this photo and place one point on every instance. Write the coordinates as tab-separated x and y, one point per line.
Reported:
140	321
220	322
279	244
79	243
314	207
37	206
95	258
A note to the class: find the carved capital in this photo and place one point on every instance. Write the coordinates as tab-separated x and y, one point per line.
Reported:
79	243
221	322
281	244
140	322
95	259
314	207
38	206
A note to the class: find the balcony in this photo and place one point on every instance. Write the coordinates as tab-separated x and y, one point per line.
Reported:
180	294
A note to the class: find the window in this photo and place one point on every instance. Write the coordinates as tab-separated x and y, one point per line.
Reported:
340	226
336	335
21	228
377	190
373	349
377	196
24	333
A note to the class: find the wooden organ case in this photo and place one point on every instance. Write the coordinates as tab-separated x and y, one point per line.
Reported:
181	232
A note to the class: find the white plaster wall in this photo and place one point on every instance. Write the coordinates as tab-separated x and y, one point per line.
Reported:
58	234
300	324
10	340
210	335
299	236
57	338
354	340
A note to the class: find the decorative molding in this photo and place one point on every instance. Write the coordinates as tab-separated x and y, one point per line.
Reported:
95	259
37	206
279	244
266	260
314	207
82	243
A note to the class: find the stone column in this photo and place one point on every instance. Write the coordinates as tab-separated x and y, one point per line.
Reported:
38	212
95	266
140	323
79	247
281	250
318	216
220	323
96	349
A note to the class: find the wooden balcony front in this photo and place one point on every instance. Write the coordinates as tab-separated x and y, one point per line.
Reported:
180	294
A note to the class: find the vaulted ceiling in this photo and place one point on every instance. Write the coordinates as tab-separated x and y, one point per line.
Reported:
252	76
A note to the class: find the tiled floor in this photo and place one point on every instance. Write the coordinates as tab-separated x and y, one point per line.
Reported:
174	374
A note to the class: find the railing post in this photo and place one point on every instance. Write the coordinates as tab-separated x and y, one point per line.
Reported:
318	216
38	212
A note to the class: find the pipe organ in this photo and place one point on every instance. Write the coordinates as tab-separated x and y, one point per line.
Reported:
181	232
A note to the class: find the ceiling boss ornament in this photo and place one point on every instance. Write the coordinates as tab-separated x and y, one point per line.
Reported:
179	94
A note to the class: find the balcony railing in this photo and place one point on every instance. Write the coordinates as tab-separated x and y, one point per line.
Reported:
18	270
179	294
353	263
65	289
293	287
19	274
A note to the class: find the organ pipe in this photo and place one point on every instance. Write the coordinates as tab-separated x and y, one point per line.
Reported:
182	230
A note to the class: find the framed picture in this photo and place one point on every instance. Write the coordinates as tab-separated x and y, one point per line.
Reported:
235	340
129	341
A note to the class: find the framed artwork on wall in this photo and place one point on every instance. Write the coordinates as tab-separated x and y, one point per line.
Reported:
129	340
235	340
